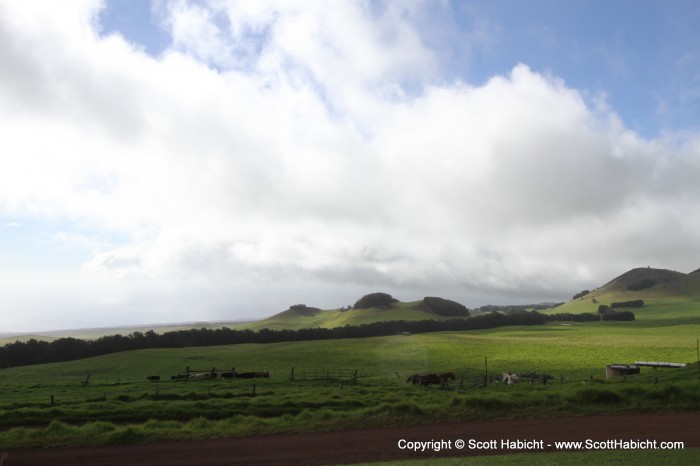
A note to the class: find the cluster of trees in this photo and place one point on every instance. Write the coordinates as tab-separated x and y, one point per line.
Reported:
445	307
634	303
67	349
568	317
608	313
304	310
517	307
375	300
604	313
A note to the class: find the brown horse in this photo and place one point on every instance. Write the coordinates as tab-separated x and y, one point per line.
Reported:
445	377
415	379
429	379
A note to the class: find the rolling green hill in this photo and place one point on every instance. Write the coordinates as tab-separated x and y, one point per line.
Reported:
297	318
667	294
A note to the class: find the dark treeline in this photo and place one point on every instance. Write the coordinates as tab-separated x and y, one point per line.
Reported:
590	317
68	349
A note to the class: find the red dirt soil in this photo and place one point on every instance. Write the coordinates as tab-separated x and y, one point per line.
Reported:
359	446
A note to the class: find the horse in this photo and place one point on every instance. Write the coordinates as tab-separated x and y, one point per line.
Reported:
445	377
415	379
429	379
509	378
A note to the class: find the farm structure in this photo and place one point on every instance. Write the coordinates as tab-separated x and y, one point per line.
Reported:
674	365
620	370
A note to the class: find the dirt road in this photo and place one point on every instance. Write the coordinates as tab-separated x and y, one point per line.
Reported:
359	446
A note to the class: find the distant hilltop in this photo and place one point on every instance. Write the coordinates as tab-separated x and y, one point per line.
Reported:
647	282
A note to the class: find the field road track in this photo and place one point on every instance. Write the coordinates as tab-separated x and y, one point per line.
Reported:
358	446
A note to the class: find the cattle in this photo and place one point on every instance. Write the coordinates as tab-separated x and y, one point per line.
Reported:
153	378
178	377
199	376
227	375
262	375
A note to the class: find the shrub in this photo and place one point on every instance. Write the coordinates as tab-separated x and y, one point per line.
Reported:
581	294
635	303
604	310
375	300
445	307
304	310
596	396
619	315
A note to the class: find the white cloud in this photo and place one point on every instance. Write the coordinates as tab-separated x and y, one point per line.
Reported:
279	144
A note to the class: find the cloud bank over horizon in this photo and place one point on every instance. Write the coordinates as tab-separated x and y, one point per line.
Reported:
290	152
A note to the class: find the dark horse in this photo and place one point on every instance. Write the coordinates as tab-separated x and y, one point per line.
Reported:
415	379
429	379
445	378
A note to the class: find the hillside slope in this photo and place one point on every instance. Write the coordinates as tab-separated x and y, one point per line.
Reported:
296	318
663	291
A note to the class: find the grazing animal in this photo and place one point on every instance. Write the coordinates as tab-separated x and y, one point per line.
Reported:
262	375
415	379
244	375
199	376
509	378
430	379
227	375
445	377
153	378
178	377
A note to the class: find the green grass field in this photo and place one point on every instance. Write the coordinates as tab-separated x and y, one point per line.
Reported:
118	404
107	399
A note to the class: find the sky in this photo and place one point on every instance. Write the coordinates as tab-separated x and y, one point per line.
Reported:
215	160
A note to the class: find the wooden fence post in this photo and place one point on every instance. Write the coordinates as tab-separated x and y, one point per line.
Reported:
253	389
53	401
291	374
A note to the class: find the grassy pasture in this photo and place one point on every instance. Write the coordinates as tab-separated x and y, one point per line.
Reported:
120	405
